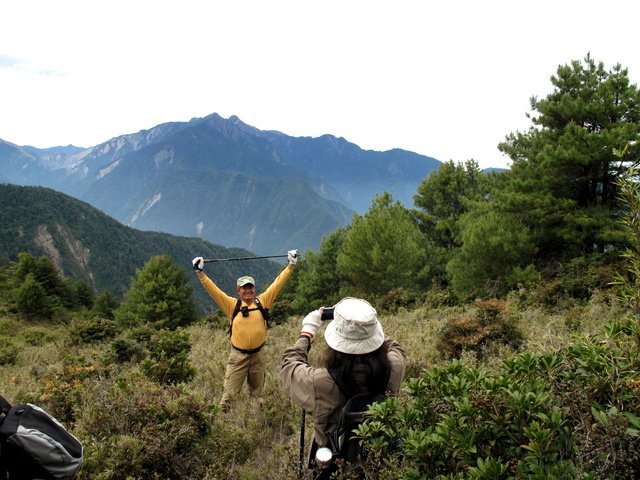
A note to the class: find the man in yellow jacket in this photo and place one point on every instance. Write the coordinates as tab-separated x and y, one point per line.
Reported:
248	328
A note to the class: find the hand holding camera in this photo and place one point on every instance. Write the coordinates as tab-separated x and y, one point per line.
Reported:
311	323
327	313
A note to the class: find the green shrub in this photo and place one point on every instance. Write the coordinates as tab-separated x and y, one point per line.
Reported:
38	336
124	350
562	415
134	428
396	299
9	351
168	361
489	325
94	329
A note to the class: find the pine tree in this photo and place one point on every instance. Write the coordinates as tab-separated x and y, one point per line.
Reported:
384	250
31	298
320	283
564	172
160	296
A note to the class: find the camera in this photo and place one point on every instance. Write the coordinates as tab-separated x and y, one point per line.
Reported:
327	314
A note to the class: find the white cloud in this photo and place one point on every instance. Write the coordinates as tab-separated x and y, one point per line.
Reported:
446	79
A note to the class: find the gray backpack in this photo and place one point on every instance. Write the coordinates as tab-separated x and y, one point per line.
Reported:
34	445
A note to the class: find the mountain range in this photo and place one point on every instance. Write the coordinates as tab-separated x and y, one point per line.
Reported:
85	244
223	181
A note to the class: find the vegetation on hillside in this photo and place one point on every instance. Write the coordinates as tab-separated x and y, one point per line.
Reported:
89	246
515	296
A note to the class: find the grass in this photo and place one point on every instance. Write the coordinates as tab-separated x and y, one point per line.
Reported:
255	441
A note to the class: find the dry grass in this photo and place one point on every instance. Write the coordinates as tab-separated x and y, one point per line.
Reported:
274	427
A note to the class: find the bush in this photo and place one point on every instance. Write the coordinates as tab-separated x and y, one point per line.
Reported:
90	330
563	415
134	428
8	351
168	361
396	299
62	391
38	336
474	332
124	350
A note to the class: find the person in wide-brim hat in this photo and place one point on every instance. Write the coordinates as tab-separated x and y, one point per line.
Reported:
359	359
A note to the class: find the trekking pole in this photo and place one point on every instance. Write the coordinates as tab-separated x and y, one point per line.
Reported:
216	260
300	467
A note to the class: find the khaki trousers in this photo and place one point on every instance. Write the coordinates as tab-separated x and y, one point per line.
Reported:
241	366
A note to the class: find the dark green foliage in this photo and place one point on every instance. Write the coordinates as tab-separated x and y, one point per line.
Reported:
443	197
493	247
32	300
46	274
125	349
83	294
489	325
9	351
88	329
566	415
105	304
563	176
160	295
318	280
396	299
384	249
168	361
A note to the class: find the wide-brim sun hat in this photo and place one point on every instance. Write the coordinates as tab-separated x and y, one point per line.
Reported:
355	328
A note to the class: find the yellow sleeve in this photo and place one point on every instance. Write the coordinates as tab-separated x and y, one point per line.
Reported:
224	301
268	297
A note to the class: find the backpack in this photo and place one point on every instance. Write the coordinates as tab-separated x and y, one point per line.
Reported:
342	442
34	445
264	311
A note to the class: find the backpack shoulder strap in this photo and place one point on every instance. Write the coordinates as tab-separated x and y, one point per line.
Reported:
236	311
5	406
264	311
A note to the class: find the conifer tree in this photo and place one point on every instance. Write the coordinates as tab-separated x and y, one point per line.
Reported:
559	201
160	296
31	298
384	250
320	282
564	171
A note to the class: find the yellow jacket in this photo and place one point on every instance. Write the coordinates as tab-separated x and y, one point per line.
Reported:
249	332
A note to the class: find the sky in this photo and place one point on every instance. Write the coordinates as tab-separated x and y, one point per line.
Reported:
447	79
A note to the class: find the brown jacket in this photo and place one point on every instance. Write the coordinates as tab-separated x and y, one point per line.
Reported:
315	391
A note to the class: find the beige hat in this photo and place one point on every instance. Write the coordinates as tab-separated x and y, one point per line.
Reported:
246	280
355	328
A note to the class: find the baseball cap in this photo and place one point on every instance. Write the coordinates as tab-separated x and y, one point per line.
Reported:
246	280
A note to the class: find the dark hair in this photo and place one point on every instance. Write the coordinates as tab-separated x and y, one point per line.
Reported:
367	372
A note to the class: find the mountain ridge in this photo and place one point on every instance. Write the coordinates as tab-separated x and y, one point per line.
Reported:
223	180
